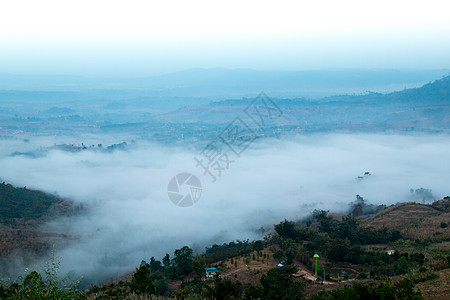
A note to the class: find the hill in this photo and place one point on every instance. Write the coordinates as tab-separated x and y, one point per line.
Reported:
22	203
352	255
353	260
23	214
416	221
352	263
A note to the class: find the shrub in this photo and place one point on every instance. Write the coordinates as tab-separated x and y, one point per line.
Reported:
43	284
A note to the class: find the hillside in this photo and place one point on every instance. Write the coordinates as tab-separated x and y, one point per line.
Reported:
22	203
353	257
23	212
416	221
353	261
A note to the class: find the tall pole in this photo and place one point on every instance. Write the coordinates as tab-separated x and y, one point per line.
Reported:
316	256
316	268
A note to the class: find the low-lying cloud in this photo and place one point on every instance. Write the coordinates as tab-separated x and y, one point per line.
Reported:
130	217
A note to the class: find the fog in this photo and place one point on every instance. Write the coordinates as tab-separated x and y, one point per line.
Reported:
130	217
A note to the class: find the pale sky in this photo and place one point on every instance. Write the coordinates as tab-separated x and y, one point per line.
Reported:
140	38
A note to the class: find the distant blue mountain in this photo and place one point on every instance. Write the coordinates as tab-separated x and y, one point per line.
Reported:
221	83
157	113
426	108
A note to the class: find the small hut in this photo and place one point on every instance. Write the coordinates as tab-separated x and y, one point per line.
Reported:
211	272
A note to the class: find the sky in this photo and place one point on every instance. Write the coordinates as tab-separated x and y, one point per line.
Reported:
143	38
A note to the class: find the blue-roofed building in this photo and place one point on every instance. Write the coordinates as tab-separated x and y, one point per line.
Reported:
211	272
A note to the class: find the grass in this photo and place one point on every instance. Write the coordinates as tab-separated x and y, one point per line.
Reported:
246	269
414	221
438	288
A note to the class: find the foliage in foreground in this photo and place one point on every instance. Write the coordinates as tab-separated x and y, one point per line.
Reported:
41	285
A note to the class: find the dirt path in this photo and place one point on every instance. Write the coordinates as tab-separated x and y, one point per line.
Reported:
304	270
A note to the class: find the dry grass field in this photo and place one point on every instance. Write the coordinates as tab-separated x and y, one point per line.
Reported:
414	221
438	288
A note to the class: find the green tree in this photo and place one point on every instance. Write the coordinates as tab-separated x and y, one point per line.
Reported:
347	228
290	255
36	286
406	290
359	200
166	261
287	229
183	260
162	288
199	264
402	265
155	265
141	282
279	255
279	284
326	222
227	289
338	249
258	246
253	292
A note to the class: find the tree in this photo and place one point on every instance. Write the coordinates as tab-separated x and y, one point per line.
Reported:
359	200
279	283
253	292
406	290
402	265
347	228
162	288
155	265
227	289
199	264
278	255
183	260
286	229
338	249
166	261
290	255
141	282
325	221
258	246
357	211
